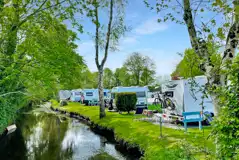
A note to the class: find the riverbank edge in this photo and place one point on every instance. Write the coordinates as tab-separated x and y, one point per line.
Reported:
108	133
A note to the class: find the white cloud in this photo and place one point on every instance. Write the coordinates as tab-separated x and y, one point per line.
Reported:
150	26
130	39
165	61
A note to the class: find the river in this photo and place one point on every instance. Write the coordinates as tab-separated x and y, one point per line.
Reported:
53	137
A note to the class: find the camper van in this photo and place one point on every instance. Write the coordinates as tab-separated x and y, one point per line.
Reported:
93	95
178	97
141	93
76	95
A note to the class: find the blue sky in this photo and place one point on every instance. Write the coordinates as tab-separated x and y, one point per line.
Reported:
161	42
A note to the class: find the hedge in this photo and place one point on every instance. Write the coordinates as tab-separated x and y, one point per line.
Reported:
126	101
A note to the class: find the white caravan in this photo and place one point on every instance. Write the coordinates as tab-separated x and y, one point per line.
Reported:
76	95
93	95
64	94
178	97
141	93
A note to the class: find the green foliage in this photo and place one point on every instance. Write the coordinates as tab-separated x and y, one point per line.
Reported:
226	126
157	107
140	68
122	77
189	65
109	79
37	54
125	101
89	79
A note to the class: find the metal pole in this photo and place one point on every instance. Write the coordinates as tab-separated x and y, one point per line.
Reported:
160	121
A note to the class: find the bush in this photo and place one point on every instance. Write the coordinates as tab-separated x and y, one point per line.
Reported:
63	103
126	101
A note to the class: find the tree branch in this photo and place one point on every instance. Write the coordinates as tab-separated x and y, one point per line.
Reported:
195	13
14	27
39	10
108	34
188	18
5	94
36	11
179	4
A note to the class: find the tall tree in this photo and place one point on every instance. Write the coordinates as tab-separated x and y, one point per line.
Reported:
105	39
135	65
149	71
141	68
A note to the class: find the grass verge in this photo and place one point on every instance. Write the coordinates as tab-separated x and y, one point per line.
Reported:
175	144
155	107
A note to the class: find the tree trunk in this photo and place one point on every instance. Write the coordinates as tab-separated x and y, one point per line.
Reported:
101	93
201	50
137	79
216	105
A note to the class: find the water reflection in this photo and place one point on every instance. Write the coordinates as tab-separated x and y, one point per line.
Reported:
46	137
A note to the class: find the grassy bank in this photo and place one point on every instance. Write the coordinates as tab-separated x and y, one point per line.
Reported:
175	144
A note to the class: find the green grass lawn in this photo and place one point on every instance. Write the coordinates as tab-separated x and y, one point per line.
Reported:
155	107
146	134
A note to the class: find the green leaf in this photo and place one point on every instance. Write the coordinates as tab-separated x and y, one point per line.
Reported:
220	33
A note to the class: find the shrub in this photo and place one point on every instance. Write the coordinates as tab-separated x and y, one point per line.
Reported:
126	101
63	103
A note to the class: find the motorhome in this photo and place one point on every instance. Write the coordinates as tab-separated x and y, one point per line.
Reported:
185	95
76	95
141	93
93	95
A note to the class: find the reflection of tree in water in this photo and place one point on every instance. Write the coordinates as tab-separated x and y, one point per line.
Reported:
51	139
38	137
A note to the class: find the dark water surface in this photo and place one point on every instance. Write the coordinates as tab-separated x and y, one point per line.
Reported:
50	137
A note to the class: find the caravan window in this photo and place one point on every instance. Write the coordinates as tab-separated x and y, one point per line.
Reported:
113	95
169	93
140	94
77	93
89	93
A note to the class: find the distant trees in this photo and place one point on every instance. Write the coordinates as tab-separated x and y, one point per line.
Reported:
137	70
140	68
109	79
188	66
122	77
